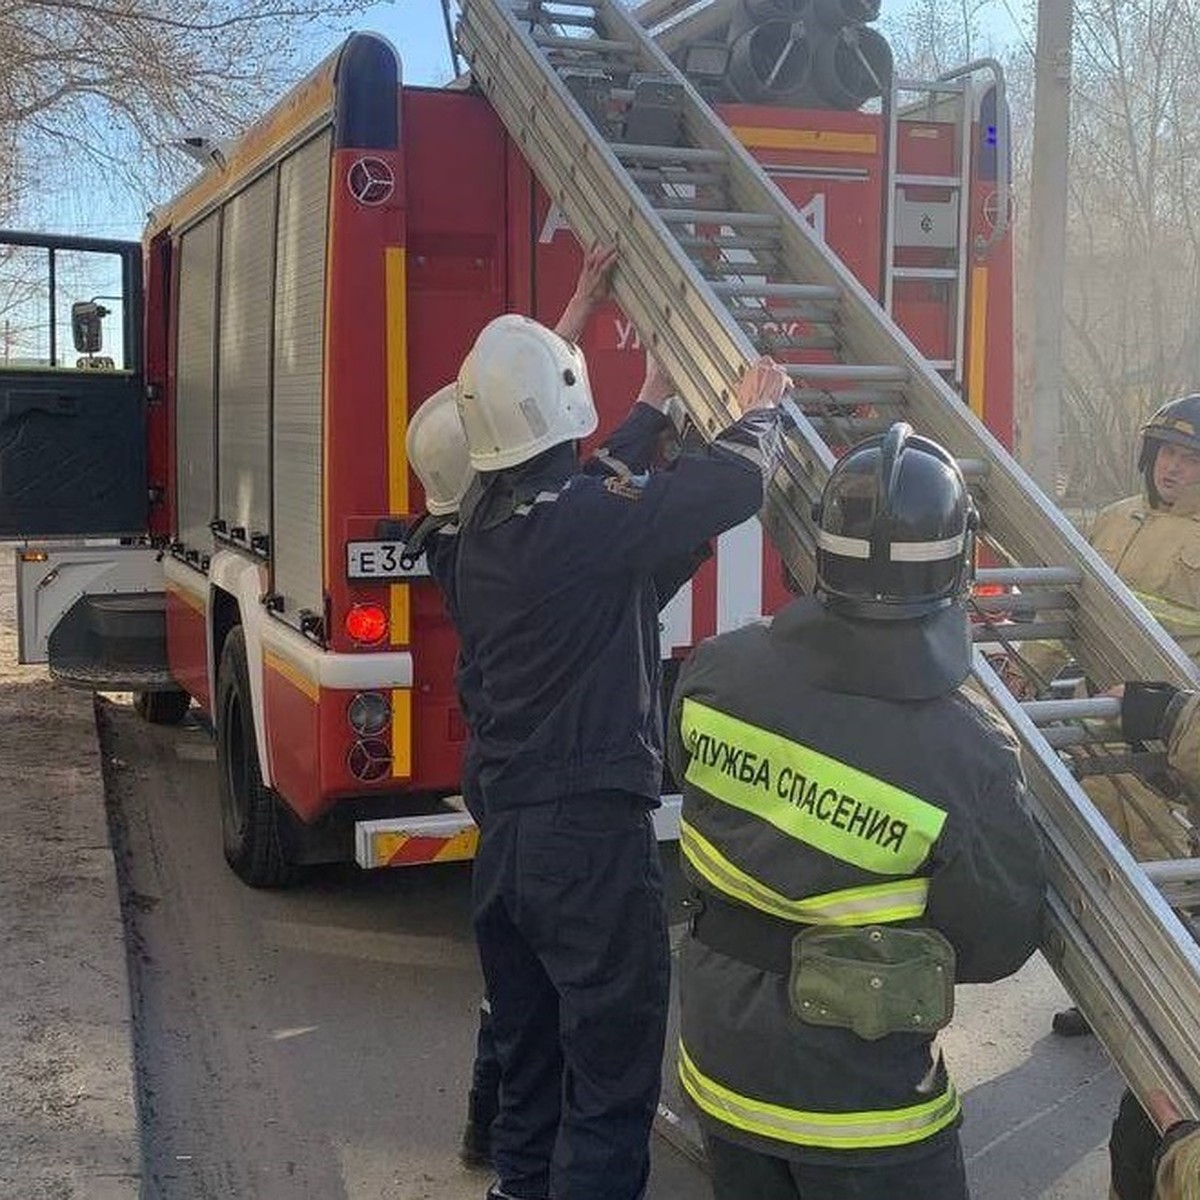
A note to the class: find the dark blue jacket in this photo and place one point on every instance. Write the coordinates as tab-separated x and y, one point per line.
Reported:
628	450
557	605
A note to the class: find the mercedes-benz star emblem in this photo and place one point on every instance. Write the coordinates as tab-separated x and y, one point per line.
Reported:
370	181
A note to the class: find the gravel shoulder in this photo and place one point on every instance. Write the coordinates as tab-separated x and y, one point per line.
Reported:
68	1122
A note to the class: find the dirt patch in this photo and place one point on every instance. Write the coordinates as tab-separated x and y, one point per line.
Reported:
67	1121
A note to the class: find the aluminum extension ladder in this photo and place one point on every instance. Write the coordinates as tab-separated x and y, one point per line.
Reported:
714	264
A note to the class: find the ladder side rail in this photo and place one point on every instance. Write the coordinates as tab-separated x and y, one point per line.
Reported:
1119	911
1139	1057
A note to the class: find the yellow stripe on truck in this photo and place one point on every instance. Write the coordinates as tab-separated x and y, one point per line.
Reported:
402	733
395	271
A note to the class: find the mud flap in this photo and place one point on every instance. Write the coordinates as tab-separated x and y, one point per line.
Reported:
96	614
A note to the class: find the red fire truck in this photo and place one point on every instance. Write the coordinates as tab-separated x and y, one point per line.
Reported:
202	438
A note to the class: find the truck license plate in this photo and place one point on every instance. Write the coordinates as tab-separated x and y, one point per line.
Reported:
381	560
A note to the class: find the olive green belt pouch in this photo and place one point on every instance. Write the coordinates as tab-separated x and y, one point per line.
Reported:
874	980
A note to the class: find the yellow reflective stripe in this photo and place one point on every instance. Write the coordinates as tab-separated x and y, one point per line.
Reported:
872	904
832	1131
1174	618
807	795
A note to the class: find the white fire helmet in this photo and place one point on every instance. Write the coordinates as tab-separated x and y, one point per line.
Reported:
437	451
521	390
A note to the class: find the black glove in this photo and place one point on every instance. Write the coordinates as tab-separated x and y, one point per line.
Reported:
1143	708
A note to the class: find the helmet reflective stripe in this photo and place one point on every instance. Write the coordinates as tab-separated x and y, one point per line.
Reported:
927	551
849	547
895	529
437	451
521	390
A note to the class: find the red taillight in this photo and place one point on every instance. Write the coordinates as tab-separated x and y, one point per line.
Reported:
367	623
989	589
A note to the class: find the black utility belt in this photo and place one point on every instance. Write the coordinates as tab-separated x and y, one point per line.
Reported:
871	979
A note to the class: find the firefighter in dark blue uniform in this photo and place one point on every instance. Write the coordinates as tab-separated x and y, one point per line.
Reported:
557	602
854	825
438	453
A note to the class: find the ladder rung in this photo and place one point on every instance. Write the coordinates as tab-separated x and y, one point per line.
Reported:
1094	708
815	312
845	397
702	216
848	429
816	341
938	181
685	178
1062	736
848	372
783	291
1029	576
722	267
974	469
539	16
584	45
1031	631
1023	602
942	364
680	155
1173	870
943	274
721	242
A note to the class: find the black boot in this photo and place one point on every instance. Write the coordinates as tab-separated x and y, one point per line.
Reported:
1070	1023
476	1150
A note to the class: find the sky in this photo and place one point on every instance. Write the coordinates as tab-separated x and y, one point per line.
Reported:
416	29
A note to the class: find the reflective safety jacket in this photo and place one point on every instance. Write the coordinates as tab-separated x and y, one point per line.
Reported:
809	806
557	584
1156	552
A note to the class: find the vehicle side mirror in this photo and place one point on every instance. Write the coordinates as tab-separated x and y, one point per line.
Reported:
86	325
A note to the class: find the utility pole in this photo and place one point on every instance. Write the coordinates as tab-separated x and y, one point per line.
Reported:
1048	236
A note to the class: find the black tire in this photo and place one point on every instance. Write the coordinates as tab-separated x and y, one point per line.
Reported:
162	708
252	816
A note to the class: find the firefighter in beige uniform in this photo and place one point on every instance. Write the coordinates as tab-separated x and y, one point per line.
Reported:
1152	541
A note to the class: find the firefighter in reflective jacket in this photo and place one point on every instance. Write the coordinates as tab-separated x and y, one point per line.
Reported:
557	604
855	828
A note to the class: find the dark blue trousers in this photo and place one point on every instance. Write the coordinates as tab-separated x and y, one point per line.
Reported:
572	933
739	1173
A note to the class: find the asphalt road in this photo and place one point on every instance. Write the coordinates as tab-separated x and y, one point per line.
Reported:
317	1042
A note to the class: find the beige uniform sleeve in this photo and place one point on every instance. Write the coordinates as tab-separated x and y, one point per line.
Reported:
1183	743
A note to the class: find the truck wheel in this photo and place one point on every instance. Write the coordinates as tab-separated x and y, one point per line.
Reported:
162	708
252	817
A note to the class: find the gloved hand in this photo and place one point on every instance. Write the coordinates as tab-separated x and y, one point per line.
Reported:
1143	707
